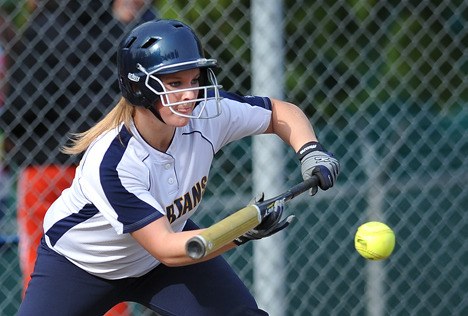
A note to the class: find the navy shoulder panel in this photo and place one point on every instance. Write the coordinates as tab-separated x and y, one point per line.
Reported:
263	102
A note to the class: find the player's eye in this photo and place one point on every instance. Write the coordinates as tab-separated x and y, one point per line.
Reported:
195	82
174	84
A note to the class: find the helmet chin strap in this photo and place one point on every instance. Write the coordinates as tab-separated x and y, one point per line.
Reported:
156	113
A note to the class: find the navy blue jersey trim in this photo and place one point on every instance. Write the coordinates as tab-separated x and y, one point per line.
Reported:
62	226
132	212
263	102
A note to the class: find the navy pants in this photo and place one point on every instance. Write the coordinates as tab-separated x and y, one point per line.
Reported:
58	287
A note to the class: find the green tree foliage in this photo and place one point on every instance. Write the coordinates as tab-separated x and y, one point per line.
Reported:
347	53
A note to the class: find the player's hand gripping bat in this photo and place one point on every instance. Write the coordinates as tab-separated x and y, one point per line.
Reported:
240	222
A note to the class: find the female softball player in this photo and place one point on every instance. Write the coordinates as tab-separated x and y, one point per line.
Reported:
119	232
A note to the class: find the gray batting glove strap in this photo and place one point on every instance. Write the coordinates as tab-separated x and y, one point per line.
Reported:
271	224
316	161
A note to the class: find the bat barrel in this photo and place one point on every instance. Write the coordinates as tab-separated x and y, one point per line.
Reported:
223	232
236	224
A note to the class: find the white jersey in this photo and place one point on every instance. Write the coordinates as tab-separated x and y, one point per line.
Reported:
122	184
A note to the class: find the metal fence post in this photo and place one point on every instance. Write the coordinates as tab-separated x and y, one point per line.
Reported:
268	159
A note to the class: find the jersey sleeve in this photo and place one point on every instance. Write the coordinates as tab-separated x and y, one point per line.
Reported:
241	116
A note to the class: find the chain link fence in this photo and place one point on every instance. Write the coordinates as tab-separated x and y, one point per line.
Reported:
385	84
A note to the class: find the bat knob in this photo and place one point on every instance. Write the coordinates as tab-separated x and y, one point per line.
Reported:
196	247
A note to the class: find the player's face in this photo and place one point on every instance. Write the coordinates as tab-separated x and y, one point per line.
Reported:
185	79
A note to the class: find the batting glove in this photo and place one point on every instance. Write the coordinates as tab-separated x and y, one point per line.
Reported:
316	161
271	223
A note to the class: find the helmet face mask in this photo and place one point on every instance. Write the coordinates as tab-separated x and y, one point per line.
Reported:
162	47
207	91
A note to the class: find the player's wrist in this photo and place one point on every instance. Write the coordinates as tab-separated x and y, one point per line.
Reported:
307	148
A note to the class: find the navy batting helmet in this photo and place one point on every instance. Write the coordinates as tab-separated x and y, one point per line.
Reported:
162	47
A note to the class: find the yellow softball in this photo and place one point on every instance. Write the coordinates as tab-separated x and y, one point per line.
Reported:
374	240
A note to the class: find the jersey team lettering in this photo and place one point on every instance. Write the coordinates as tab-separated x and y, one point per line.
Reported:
187	202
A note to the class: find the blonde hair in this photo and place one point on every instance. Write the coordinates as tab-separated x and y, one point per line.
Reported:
122	112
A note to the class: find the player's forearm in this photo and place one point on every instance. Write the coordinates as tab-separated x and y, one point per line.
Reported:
168	246
175	254
291	124
214	254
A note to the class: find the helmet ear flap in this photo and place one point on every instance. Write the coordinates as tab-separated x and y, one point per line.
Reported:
131	91
135	89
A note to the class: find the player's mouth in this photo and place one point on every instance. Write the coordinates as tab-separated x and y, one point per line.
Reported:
183	109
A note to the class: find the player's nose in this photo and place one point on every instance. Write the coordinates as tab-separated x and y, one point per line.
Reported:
189	95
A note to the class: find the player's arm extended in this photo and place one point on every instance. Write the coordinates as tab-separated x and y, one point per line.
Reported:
168	246
291	124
